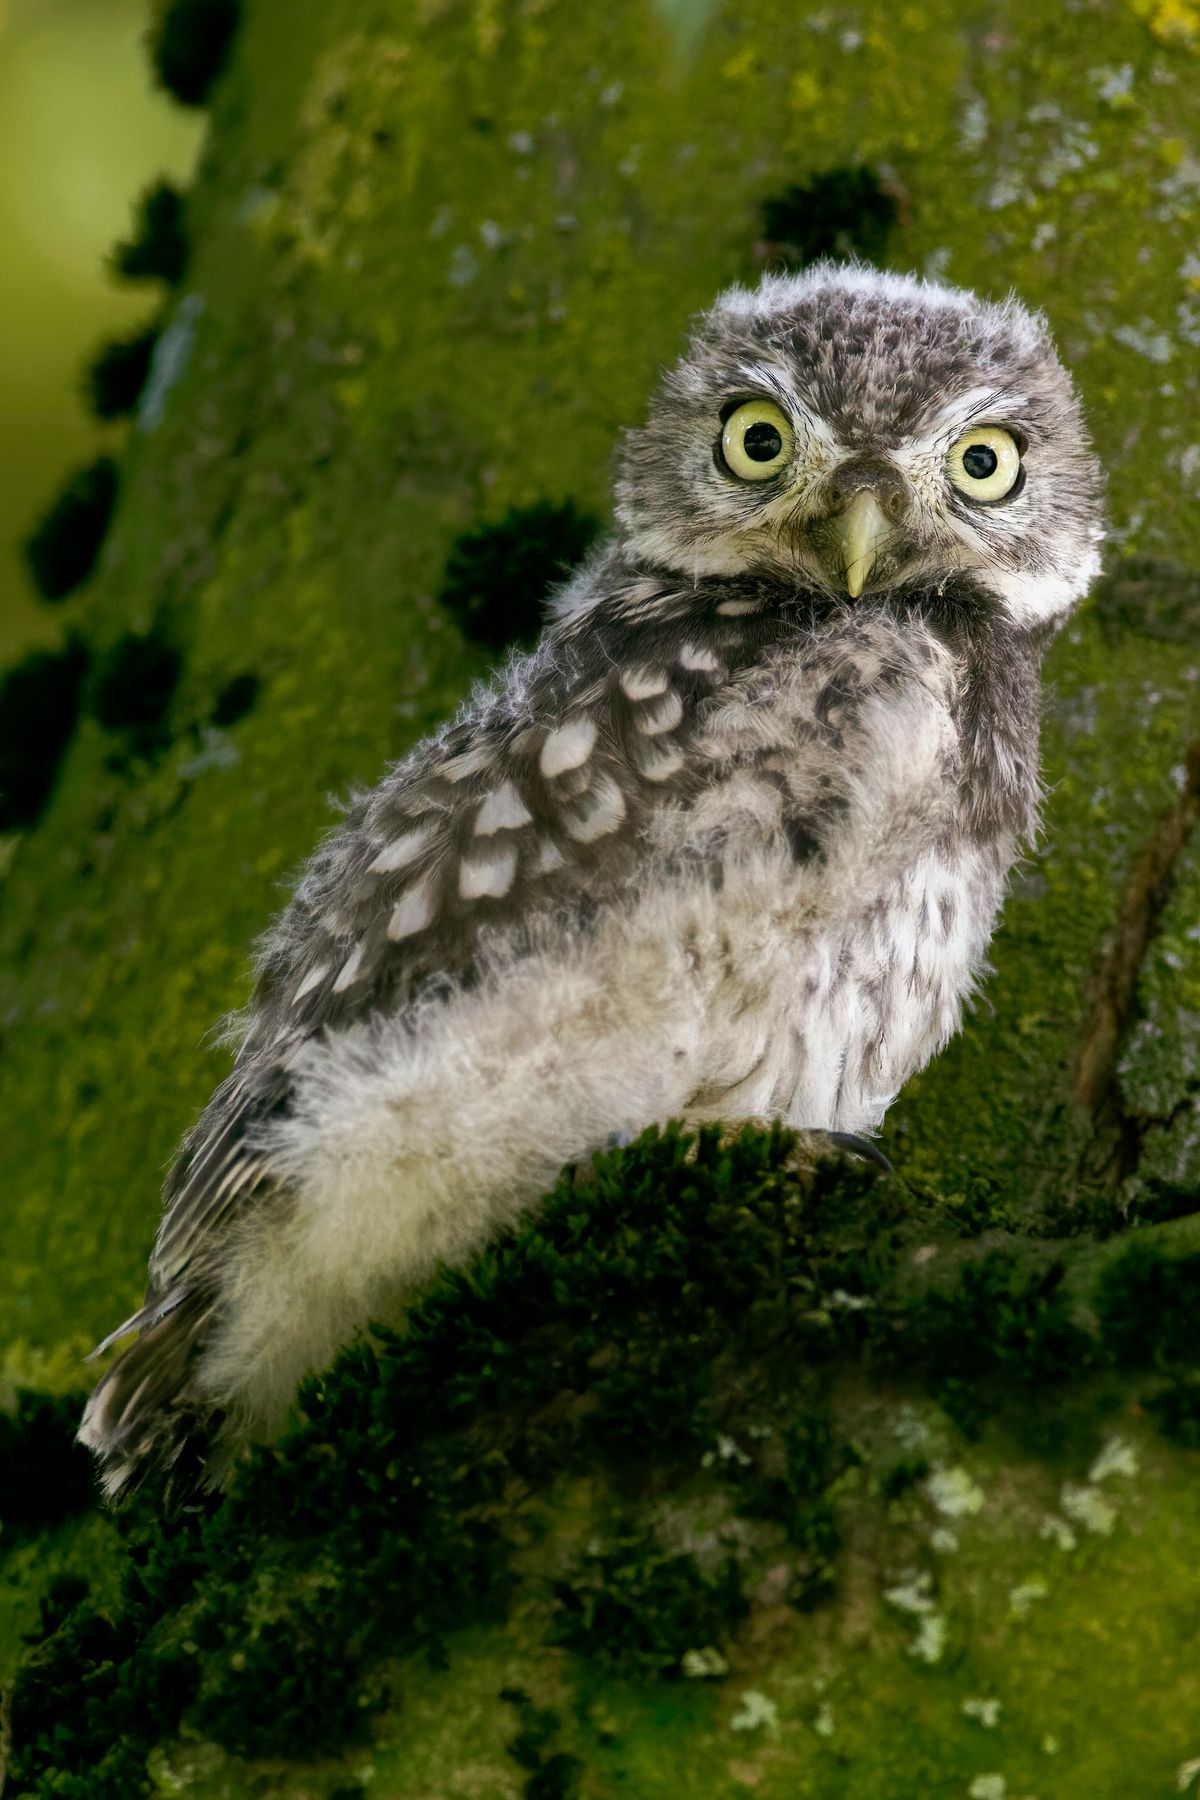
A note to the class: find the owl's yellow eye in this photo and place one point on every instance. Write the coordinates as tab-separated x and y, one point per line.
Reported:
757	440
985	463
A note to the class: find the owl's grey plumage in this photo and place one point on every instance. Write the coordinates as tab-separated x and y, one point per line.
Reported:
730	842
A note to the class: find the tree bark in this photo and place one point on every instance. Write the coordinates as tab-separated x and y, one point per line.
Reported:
439	251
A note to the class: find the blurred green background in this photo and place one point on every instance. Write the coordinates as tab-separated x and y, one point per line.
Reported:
82	130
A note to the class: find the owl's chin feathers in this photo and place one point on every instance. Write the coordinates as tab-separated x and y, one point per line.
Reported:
1027	599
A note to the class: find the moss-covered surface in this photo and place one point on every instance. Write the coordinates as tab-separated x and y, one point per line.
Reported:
62	548
499	573
189	45
437	252
678	1432
157	246
39	705
117	374
838	213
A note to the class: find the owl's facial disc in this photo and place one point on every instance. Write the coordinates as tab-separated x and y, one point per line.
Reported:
856	433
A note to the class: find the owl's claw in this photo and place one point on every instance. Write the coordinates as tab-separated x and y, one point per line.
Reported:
860	1146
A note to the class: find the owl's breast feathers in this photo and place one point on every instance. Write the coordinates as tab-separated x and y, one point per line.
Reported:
651	740
624	730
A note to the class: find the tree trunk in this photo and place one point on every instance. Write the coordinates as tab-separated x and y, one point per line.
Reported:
439	251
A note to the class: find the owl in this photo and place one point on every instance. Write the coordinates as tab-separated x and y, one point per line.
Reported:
729	843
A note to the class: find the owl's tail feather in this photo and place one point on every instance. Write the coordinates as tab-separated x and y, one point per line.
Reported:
141	1419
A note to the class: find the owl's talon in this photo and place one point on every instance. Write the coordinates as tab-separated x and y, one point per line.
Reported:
860	1146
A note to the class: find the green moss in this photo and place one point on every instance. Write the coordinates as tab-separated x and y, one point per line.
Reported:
318	1560
687	1274
237	697
632	1607
61	550
840	213
902	1476
1147	1305
498	576
789	1475
552	1774
189	44
1176	1410
78	1691
1158	1072
132	687
1149	597
1000	1321
318	1702
117	374
45	1476
157	249
39	706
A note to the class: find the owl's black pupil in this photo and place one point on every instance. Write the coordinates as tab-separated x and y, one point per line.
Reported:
762	442
979	461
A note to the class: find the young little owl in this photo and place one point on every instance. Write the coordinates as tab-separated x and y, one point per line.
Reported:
729	843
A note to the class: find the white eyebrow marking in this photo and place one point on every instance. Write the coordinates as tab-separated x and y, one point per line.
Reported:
350	969
644	684
492	876
960	412
313	979
733	609
413	911
503	810
603	813
663	716
567	747
695	656
402	850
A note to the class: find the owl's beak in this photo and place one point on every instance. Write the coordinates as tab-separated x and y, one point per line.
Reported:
858	535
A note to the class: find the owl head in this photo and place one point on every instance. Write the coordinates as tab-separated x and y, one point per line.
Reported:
853	431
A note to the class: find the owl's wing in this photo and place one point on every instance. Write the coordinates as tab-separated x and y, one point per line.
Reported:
539	793
141	1412
533	799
